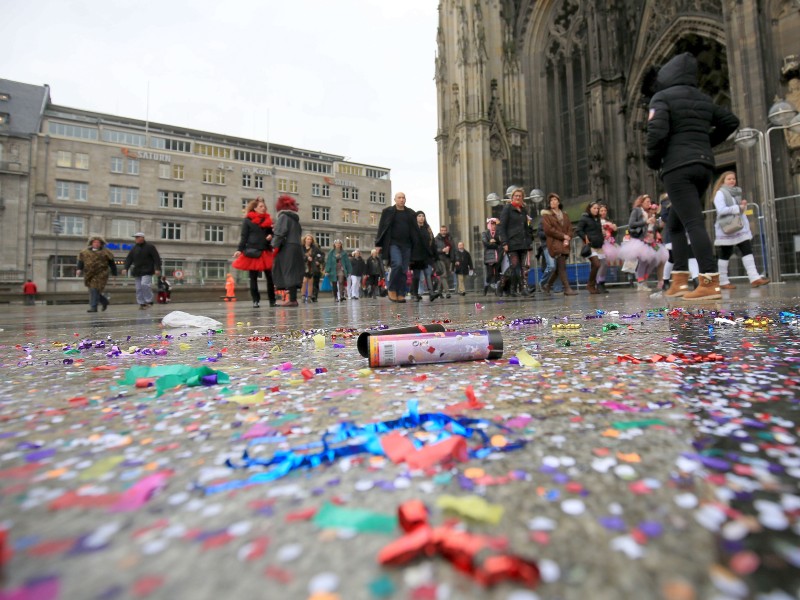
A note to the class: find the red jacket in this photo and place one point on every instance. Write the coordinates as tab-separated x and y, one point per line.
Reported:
29	287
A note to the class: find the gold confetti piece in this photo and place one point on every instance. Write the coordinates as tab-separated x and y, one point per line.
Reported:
527	360
631	457
256	398
472	507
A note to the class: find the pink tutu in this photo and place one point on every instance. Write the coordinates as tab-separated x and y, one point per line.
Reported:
635	249
662	254
611	251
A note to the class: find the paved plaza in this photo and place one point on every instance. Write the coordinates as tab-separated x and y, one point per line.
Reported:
622	447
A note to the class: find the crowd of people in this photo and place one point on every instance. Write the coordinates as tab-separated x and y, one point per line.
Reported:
666	239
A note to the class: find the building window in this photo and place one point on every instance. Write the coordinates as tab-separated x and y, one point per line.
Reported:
258	182
208	176
133	166
215	151
382	198
131	196
117	164
115	194
123	137
171	230
220	177
167	199
283	185
164	170
72	190
377	197
213	269
282	161
316	167
73	225
81	161
177	172
345	215
293	186
214	233
377	173
350	170
123	228
352	242
374	218
63	158
321	213
213	203
323	239
247	156
247	181
72	131
315	189
64	267
349	193
170	265
354	217
326	191
167	144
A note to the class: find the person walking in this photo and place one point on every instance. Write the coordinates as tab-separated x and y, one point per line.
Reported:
683	126
639	245
95	263
462	265
732	230
374	273
549	261
514	233
610	247
590	230
558	228
422	259
491	254
143	262
29	292
398	235
314	264
338	268
357	270
288	266
163	290
444	259
254	252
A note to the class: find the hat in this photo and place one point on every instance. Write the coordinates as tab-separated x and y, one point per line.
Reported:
139	234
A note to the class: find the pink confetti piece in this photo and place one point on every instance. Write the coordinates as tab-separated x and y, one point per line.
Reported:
141	492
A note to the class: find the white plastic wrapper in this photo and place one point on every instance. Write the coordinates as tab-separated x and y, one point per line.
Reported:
179	318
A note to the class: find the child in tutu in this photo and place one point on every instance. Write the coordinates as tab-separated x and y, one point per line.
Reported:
638	246
610	247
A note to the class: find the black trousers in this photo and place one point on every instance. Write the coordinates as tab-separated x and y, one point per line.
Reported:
686	187
254	293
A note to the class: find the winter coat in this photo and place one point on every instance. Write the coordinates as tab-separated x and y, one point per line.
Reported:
514	228
491	249
96	266
143	259
442	242
726	202
462	262
666	206
384	238
637	223
374	266
313	267
254	236
424	253
330	264
684	124
288	267
589	227
359	267
555	230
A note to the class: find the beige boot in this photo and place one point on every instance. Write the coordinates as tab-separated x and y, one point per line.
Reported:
707	290
679	284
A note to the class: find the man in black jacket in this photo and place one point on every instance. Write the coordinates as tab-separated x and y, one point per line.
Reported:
398	234
143	262
444	259
683	126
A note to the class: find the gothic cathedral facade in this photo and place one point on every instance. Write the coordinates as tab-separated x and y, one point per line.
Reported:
546	94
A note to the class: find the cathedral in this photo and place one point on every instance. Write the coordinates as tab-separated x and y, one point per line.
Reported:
546	94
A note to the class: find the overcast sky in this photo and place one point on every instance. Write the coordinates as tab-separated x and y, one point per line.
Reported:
347	77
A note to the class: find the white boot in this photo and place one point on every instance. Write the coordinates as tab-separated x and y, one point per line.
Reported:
756	280
724	282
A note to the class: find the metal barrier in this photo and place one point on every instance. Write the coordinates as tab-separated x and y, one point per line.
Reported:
787	213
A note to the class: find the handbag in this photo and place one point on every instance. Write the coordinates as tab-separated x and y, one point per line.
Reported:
253	252
730	223
586	251
629	266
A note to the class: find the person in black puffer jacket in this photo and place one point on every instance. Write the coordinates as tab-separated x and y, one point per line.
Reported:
591	232
515	235
683	126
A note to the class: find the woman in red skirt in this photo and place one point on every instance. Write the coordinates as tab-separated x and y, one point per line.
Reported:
254	253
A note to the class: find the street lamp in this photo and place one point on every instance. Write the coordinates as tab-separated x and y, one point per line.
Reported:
782	115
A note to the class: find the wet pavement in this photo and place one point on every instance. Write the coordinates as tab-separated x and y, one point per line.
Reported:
626	446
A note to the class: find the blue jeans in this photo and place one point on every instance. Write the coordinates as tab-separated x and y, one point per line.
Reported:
551	266
144	290
399	259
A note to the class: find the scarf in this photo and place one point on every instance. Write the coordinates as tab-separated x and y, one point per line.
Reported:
262	220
